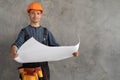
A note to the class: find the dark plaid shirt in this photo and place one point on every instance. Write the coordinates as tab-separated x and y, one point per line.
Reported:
37	33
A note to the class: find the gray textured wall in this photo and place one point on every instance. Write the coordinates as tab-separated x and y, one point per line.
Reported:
96	21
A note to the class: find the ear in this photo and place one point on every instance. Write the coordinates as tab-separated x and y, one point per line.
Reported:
28	14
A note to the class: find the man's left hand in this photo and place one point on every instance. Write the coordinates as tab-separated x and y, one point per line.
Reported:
75	54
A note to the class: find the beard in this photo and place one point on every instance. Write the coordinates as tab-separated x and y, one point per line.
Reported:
35	20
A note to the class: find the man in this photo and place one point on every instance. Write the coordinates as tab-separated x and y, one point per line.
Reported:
34	29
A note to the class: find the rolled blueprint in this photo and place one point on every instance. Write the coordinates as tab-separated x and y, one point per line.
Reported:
34	51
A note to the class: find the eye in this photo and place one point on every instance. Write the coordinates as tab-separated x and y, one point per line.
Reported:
31	12
38	13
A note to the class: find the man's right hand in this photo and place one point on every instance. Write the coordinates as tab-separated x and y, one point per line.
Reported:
13	52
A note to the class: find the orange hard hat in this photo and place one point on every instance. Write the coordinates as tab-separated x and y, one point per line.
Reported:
35	6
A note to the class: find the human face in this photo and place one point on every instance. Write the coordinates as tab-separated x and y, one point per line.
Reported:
35	16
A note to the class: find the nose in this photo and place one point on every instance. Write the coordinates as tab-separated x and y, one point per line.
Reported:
35	15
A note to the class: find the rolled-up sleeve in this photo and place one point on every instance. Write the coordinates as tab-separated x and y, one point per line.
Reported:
20	39
51	40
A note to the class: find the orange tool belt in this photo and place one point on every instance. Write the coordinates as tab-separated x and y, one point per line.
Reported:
31	73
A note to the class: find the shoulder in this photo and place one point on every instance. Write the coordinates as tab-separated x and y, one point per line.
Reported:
25	28
45	29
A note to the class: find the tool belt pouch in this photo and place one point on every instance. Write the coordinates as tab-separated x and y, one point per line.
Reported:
31	73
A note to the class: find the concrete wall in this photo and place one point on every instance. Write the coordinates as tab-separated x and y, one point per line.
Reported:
96	21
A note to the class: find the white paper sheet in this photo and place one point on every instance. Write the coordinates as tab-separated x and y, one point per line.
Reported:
34	51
